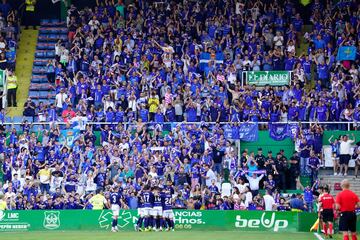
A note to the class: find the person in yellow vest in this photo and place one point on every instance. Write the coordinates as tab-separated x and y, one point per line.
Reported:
98	201
153	105
11	89
3	205
30	14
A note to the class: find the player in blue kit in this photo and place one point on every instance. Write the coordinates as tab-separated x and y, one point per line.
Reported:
115	200
168	214
138	225
147	199
157	209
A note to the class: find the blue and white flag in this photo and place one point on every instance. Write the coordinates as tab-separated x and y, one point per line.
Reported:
69	136
205	58
249	132
278	132
293	130
79	123
346	53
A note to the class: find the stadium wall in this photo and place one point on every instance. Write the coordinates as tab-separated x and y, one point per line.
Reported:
267	143
91	220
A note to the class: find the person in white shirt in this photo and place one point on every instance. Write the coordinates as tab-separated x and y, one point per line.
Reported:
345	153
248	197
210	175
269	201
108	103
60	99
241	185
254	183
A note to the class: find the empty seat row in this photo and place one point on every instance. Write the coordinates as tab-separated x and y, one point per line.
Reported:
51	37
45	46
41	94
44	54
41	87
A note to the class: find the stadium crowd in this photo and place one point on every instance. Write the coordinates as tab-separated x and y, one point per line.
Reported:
141	64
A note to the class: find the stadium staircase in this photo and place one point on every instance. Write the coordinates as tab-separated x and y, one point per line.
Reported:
327	177
49	33
24	60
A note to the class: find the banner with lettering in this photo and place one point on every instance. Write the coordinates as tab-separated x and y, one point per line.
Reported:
278	132
249	132
272	78
281	131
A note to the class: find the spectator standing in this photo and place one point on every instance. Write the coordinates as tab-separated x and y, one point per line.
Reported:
44	176
29	108
218	155
269	201
345	153
209	176
254	181
304	156
314	165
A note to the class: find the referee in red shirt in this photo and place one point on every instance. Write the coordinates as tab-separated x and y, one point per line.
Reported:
346	202
326	206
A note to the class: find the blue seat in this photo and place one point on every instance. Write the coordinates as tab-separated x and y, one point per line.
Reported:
29	119
50	54
8	119
39	54
43	94
37	128
33	94
17	119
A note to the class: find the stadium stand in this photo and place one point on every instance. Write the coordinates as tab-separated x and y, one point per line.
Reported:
141	94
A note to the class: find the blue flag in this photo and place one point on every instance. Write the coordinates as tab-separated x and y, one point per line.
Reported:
228	132
278	132
69	136
249	132
206	57
293	130
346	53
246	132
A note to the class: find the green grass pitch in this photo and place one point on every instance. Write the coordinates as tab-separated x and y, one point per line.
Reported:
183	235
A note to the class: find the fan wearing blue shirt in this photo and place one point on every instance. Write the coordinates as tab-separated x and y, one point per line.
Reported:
319	43
323	73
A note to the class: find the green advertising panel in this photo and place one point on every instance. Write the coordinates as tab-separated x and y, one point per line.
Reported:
272	78
2	78
64	220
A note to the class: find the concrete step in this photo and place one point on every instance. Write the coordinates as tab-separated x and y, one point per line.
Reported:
330	180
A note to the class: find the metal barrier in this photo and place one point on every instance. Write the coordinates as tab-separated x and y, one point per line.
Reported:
328	125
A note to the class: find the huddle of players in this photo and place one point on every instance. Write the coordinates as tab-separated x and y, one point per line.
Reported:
154	209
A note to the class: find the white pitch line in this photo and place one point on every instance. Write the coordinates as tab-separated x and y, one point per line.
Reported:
318	236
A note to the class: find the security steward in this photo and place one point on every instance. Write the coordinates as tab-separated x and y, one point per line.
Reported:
30	17
11	89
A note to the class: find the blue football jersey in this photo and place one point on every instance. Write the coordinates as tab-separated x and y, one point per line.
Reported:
148	199
157	201
167	201
115	198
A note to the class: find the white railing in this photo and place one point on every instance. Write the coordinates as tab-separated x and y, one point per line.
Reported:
347	125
